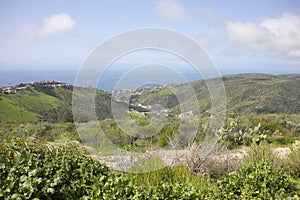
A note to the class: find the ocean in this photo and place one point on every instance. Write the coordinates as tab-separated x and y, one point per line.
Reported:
107	82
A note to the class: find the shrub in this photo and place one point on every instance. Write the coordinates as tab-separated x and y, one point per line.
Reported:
258	179
215	162
293	163
172	183
31	170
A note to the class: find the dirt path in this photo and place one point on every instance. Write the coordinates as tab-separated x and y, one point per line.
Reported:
123	162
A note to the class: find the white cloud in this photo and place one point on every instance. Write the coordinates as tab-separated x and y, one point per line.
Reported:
170	10
53	25
247	33
272	35
285	33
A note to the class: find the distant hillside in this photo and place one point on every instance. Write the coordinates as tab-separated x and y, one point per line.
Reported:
263	93
246	93
43	101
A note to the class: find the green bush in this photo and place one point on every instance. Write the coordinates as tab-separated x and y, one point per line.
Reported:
32	170
259	178
233	135
293	163
167	132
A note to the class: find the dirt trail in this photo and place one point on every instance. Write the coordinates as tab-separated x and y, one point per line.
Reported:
123	162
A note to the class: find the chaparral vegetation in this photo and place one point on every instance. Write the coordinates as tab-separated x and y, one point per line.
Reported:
257	156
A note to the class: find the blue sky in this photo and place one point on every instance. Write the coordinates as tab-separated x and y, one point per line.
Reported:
240	36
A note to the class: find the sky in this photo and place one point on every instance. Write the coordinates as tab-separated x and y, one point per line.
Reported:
239	36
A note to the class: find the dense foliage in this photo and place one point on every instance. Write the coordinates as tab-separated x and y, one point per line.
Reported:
31	169
53	171
259	178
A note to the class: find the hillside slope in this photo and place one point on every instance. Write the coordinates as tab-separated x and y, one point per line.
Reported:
36	101
245	93
44	101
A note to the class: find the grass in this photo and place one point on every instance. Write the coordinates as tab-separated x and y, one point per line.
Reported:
293	164
42	130
28	106
10	112
175	174
34	101
147	165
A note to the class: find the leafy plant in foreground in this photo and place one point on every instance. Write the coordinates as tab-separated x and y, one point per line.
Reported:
258	179
30	170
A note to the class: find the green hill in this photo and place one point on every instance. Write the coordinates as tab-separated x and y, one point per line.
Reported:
245	93
44	101
11	112
32	104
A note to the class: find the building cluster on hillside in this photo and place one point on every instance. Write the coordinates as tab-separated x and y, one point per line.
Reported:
127	95
131	97
31	86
